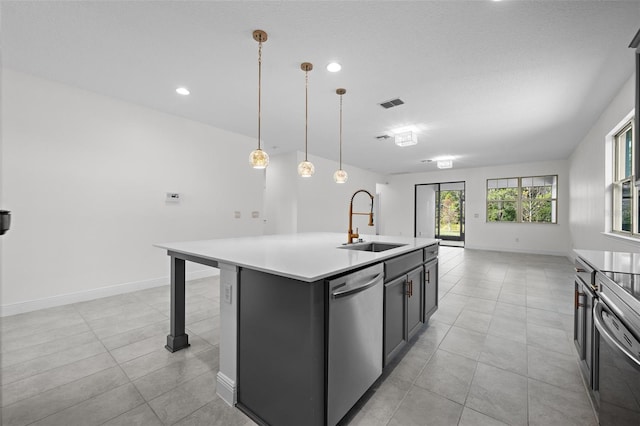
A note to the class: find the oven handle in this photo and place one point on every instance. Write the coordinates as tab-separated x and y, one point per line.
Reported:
598	307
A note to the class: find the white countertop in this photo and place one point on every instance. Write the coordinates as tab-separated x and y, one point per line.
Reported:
612	261
307	257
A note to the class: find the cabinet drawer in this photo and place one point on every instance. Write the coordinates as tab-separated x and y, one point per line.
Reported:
430	253
400	265
585	272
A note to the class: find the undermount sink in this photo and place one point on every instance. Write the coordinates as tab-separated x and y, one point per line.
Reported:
373	246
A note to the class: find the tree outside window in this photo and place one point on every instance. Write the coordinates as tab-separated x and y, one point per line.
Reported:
450	212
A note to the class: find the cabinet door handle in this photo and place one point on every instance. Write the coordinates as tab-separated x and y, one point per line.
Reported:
580	270
410	288
576	302
428	280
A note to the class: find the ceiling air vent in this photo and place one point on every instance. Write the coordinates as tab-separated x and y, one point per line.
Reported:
392	103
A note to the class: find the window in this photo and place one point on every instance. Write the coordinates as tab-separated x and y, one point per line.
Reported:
624	188
532	199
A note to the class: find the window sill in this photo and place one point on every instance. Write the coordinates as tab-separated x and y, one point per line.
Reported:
624	238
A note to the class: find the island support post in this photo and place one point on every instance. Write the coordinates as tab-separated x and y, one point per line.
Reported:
177	339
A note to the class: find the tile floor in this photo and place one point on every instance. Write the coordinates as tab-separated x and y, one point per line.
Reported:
499	351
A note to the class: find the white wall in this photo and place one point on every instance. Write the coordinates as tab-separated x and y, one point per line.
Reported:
398	202
281	206
590	208
426	211
85	177
320	204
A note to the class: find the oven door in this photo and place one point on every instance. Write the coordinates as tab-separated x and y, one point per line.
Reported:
619	369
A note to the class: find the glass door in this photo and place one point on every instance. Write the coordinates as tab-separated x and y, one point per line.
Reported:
439	211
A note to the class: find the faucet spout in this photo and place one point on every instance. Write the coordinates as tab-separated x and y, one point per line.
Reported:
350	234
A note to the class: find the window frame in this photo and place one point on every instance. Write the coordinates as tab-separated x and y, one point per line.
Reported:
619	180
520	199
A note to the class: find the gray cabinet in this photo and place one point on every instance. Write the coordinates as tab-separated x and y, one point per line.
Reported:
404	301
414	298
403	311
584	333
394	317
430	288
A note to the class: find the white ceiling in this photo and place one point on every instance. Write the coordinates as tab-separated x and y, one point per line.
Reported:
486	82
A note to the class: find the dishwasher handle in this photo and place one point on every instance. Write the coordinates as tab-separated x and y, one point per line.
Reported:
609	337
356	288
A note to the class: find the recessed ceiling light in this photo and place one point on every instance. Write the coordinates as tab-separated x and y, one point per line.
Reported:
334	67
182	91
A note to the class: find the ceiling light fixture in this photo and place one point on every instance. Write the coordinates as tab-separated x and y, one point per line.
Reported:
406	139
306	169
334	67
340	176
445	164
182	91
258	158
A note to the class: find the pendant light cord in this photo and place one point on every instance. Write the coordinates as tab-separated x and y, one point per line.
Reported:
259	89
306	112
340	132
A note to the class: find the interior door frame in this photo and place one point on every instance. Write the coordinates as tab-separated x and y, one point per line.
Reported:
438	186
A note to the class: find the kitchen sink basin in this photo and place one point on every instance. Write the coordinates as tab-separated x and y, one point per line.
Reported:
373	246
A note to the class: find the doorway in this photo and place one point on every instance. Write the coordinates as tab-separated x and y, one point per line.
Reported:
439	212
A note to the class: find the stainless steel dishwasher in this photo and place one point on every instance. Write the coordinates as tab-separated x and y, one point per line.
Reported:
355	338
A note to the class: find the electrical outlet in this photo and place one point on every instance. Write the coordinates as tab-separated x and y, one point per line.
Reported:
236	214
255	214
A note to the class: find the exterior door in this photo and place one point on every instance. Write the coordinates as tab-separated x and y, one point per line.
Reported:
439	211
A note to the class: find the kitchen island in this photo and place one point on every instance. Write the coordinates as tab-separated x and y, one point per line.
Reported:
276	362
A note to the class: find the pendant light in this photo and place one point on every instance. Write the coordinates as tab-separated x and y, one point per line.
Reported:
306	169
258	158
340	176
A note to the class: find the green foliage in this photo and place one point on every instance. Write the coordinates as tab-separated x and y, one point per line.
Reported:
535	204
449	210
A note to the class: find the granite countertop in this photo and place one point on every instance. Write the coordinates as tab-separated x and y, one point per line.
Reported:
306	257
612	261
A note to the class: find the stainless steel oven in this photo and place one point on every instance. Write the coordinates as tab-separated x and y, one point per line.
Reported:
616	316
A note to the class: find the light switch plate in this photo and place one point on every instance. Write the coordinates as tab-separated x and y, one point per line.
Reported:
236	214
173	197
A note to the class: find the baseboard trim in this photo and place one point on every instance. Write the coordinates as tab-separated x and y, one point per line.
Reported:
96	293
226	389
515	250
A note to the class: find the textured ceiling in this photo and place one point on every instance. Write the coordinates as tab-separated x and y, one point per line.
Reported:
486	82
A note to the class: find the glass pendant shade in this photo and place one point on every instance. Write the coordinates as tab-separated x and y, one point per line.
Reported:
340	176
259	159
306	169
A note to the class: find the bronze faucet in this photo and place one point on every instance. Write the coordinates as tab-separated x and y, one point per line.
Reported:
351	235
